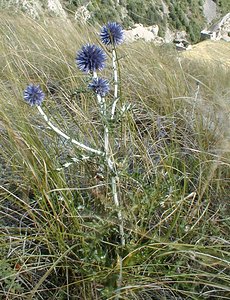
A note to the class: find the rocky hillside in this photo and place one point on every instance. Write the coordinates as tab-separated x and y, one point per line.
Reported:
170	15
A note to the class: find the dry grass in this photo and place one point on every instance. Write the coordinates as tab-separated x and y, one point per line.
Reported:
58	225
216	52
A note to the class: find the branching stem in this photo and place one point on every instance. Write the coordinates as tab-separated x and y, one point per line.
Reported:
58	131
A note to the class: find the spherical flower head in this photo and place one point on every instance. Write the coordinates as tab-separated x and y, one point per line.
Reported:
91	58
100	86
33	95
112	34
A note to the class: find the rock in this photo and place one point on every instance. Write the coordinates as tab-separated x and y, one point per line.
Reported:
32	8
183	45
225	28
55	7
159	40
36	8
82	14
218	31
154	29
181	35
148	34
169	36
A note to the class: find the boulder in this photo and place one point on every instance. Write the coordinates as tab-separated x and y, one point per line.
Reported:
138	31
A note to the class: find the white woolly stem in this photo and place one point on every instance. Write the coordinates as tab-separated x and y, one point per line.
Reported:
106	141
58	131
115	178
100	101
106	130
116	202
115	78
102	105
94	74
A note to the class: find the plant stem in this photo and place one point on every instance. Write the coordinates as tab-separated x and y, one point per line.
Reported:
114	180
106	130
58	131
110	163
115	78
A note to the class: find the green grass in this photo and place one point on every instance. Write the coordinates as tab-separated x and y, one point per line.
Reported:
59	236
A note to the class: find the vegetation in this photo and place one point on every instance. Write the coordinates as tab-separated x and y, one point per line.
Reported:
224	6
180	15
184	15
59	229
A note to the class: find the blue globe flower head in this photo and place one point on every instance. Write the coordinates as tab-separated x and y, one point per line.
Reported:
90	58
112	34
100	86
33	94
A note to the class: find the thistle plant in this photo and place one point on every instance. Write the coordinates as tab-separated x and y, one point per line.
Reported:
112	35
34	95
90	59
